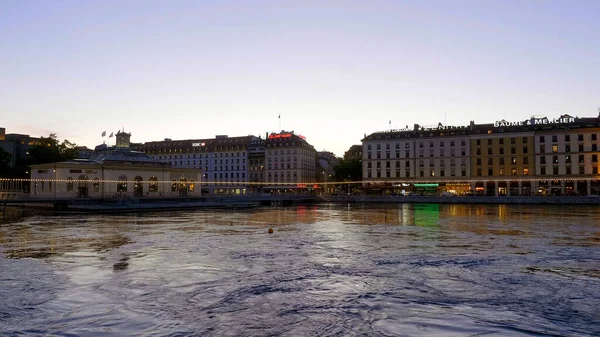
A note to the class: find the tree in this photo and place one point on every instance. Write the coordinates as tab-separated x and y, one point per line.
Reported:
50	150
348	170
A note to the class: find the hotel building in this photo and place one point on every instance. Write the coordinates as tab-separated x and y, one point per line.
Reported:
290	162
242	165
534	156
222	160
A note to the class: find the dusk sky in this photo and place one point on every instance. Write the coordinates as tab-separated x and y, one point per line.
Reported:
333	70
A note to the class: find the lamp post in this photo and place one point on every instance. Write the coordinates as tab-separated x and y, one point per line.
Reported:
348	184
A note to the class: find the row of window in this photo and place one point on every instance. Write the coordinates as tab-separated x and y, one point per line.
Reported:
513	140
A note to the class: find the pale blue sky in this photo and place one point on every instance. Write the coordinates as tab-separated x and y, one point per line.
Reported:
334	70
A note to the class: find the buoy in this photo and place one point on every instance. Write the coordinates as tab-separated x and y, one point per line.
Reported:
270	230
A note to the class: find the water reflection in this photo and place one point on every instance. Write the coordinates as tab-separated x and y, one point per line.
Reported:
395	269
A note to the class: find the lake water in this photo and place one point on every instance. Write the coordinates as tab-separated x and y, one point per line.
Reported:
326	270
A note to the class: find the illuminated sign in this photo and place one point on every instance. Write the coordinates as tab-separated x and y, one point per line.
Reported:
536	121
426	185
280	135
283	135
198	144
440	126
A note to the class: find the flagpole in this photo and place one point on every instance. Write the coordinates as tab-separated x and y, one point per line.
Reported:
279	118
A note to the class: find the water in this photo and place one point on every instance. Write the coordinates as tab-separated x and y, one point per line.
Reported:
327	270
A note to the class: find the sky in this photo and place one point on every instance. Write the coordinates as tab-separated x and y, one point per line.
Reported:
332	70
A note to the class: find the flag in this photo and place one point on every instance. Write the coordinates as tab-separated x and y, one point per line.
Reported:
279	116
390	122
103	133
111	134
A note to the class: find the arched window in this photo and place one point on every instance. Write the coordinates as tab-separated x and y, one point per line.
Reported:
96	185
183	184
174	186
122	184
153	184
82	180
192	185
69	184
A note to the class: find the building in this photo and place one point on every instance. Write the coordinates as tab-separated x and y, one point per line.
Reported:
223	160
256	165
557	156
115	172
17	146
353	153
291	163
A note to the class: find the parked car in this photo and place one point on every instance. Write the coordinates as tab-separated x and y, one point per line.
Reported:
413	193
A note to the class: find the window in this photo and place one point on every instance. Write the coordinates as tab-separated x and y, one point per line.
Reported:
479	152
501	150
464	173
554	159
542	148
594	147
594	158
490	142
490	161
489	151
502	161
567	138
568	148
525	160
554	148
479	172
581	159
525	150
490	172
478	161
554	139
513	160
432	173
580	138
580	147
501	172
122	184
543	160
451	143
69	184
513	171
526	171
96	185
594	136
513	150
594	170
153	184
543	170
513	140
542	139
581	170
555	170
525	140
568	169
478	142
568	159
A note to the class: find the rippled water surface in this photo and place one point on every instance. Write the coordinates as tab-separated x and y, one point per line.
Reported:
393	270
